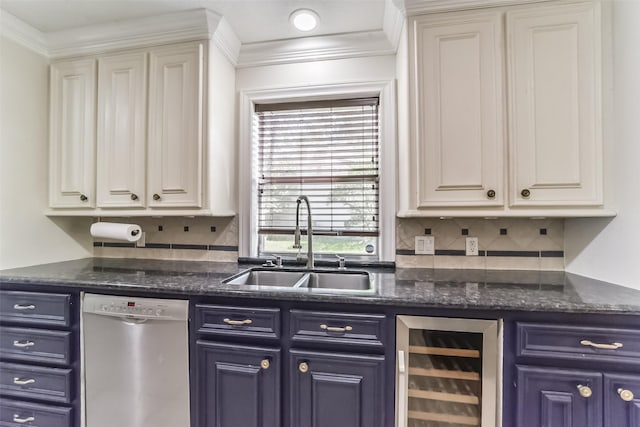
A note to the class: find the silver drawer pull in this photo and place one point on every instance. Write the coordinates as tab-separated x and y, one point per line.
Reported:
24	307
336	329
18	381
22	344
614	346
238	322
18	419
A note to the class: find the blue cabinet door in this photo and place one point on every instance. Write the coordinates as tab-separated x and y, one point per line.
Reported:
550	397
237	386
622	400
336	390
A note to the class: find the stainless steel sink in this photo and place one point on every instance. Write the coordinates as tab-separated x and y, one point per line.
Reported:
348	280
266	277
335	281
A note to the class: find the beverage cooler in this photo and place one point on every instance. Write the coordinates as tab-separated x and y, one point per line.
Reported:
448	372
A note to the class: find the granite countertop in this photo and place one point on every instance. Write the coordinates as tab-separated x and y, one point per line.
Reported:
457	289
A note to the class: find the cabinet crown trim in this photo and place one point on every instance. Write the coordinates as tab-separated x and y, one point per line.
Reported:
418	7
200	24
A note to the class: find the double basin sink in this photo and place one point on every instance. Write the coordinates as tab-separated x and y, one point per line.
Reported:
331	280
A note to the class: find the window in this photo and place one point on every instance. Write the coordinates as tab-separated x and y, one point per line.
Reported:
328	151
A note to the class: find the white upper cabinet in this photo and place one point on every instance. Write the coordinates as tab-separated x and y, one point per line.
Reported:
504	129
176	90
160	144
456	73
555	105
122	121
72	134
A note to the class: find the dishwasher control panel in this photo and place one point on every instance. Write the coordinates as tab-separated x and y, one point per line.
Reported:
132	307
110	305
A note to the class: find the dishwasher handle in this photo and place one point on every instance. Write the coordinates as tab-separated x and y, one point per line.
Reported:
128	320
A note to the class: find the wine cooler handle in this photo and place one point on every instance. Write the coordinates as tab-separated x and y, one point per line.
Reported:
402	391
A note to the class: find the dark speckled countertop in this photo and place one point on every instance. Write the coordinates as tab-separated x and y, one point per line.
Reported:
459	289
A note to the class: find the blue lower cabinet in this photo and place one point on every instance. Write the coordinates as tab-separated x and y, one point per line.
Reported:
553	397
237	385
622	400
336	390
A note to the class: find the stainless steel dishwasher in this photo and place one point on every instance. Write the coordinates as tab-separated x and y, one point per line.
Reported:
136	361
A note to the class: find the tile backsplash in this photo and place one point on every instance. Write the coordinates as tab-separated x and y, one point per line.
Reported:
505	243
514	244
177	238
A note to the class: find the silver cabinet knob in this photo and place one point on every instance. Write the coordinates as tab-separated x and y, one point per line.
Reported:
585	391
626	395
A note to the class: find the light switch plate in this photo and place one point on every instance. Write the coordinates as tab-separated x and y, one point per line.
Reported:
425	245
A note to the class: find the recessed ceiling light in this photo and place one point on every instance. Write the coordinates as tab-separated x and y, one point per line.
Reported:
304	19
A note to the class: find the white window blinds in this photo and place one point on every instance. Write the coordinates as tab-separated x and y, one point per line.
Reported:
326	150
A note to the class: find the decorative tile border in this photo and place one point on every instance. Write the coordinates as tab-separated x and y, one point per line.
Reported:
178	246
519	254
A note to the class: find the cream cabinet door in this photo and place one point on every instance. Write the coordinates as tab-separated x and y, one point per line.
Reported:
555	105
176	89
457	109
122	114
72	134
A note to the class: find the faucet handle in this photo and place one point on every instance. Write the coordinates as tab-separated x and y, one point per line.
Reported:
276	258
341	262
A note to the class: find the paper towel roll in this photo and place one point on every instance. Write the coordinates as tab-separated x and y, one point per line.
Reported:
117	231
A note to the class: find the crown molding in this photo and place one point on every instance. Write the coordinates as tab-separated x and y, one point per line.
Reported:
393	22
22	33
143	32
322	48
416	7
225	38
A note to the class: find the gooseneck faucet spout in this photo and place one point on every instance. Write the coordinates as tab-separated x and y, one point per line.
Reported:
296	234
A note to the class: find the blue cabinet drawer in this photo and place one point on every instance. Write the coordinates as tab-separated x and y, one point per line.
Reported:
237	321
35	382
568	342
343	329
34	345
14	413
35	308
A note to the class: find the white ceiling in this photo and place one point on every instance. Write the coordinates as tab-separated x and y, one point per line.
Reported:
252	20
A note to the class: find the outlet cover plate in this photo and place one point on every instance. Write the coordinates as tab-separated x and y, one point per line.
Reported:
471	246
425	245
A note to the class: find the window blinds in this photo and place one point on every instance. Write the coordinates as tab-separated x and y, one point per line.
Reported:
326	150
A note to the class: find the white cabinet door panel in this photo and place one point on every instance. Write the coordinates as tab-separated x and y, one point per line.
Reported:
554	86
175	126
458	109
72	134
122	130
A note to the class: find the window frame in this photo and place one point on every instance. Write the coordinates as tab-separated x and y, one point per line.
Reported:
384	90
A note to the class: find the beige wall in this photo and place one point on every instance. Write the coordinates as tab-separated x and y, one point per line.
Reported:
28	237
607	249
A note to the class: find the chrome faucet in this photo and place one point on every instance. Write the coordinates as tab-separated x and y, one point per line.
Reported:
296	234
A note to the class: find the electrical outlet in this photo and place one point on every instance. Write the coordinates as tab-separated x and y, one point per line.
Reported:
471	244
425	245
